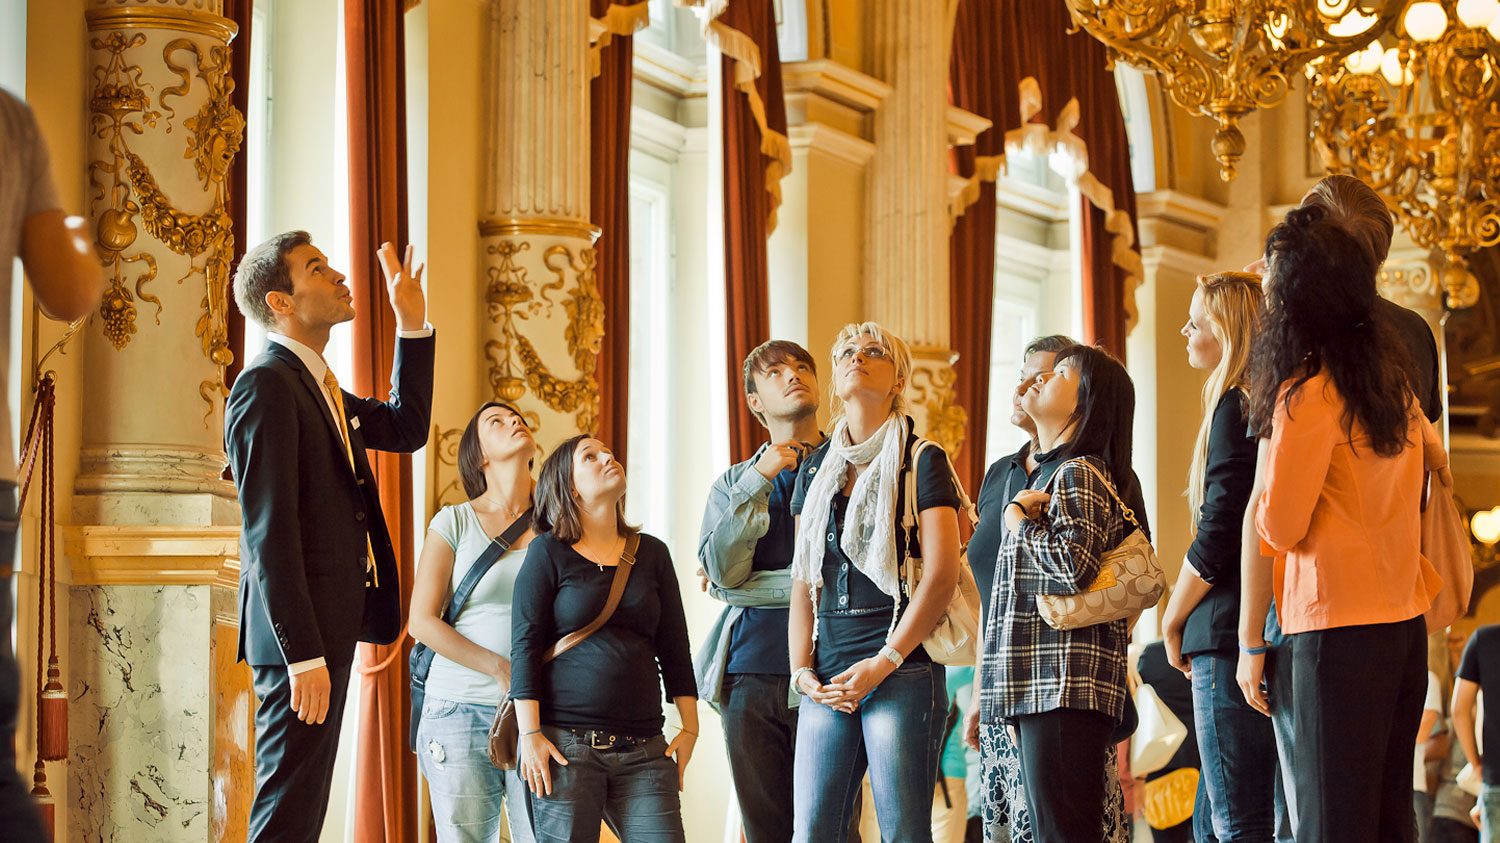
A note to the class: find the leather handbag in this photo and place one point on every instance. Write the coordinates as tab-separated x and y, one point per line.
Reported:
1445	544
504	733
420	660
955	638
1130	580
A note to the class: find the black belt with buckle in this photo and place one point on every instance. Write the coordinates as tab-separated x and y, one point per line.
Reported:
604	741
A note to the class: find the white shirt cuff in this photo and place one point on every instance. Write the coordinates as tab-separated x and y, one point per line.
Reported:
302	667
416	335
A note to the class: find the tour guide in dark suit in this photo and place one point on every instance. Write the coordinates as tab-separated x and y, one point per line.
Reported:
318	572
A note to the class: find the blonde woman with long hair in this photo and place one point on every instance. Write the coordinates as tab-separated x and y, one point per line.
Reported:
875	699
1201	621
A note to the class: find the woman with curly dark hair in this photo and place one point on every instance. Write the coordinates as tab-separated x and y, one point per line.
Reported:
1340	513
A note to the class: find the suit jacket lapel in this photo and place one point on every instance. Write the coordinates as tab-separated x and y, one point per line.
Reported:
289	357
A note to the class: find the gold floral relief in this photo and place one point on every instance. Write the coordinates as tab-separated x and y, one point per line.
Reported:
946	420
120	109
515	363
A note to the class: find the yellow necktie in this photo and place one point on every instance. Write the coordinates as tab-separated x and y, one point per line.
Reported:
331	383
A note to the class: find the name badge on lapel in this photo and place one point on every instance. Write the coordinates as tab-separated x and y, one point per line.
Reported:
354	423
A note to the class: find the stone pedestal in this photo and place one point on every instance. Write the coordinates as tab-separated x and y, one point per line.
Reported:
160	714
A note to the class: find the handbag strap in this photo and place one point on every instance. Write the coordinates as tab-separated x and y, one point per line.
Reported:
1125	508
481	566
616	591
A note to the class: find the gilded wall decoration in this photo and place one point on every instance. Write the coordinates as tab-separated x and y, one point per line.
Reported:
120	108
511	296
444	450
946	420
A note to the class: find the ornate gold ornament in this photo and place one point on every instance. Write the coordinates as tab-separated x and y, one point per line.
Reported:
512	296
1416	117
119	108
445	463
946	420
1225	58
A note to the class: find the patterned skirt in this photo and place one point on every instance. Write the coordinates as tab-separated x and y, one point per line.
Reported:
1004	815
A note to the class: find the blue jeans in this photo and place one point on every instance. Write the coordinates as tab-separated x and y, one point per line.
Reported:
467	790
1278	675
896	733
633	789
1236	745
1489	813
760	735
18	815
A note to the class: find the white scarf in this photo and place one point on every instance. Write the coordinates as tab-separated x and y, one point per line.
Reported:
869	532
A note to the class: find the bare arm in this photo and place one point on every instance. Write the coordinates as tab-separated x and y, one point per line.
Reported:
1464	695
681	747
65	274
429	591
1255	593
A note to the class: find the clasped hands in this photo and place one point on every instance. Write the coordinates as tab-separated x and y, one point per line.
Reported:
848	689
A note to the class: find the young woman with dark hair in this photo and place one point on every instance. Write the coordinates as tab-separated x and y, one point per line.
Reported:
1064	691
591	746
1344	470
470	671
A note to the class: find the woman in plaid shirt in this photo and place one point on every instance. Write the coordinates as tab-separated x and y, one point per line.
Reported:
1064	691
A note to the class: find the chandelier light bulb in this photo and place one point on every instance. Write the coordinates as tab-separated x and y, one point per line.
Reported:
1390	68
1494	27
1366	60
1478	14
1425	21
1353	23
1486	526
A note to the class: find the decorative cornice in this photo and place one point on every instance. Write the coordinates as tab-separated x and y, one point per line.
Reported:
965	126
661	68
1180	208
176	20
148	555
548	226
834	81
1156	258
818	137
656	135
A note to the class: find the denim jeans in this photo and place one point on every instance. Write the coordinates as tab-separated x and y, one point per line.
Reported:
1236	745
467	790
1489	814
760	735
18	815
895	734
633	789
1278	675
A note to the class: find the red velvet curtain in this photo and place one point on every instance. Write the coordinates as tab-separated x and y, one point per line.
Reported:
375	60
239	11
1075	66
974	82
752	173
609	206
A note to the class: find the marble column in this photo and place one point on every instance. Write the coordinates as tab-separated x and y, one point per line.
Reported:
159	712
907	222
542	316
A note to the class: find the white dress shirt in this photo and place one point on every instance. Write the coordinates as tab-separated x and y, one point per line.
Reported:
318	368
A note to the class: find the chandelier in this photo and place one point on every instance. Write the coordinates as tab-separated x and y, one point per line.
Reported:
1225	58
1417	119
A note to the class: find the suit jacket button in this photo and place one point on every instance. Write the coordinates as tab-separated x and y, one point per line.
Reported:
359	516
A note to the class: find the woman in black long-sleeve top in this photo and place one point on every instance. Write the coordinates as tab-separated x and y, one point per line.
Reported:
595	710
1201	621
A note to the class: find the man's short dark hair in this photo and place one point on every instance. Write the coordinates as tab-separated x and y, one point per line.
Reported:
1050	344
264	269
768	354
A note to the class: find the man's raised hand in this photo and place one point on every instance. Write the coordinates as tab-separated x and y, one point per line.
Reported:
403	285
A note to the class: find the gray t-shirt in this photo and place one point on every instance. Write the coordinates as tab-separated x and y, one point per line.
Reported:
485	618
26	189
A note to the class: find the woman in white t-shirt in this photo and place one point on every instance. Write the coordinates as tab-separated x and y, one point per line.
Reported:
470	672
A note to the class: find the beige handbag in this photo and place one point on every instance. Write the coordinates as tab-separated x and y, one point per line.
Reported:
1130	580
955	638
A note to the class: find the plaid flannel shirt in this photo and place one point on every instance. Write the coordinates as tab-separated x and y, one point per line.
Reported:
1028	667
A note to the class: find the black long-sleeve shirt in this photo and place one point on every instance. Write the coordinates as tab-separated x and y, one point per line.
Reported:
1228	477
610	680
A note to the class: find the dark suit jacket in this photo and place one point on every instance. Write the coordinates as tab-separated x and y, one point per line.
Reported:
1213	625
306	515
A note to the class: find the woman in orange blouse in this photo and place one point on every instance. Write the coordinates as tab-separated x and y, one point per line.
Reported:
1340	514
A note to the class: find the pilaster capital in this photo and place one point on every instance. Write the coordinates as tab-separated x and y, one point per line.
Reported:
153	555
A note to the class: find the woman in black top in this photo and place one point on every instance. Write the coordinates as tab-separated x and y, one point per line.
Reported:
875	699
595	710
1201	621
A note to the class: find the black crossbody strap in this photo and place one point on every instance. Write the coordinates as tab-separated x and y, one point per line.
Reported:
481	566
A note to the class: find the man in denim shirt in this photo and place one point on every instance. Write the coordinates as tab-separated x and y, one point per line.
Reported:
745	547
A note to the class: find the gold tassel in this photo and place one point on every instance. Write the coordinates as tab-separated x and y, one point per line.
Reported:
53	743
44	803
